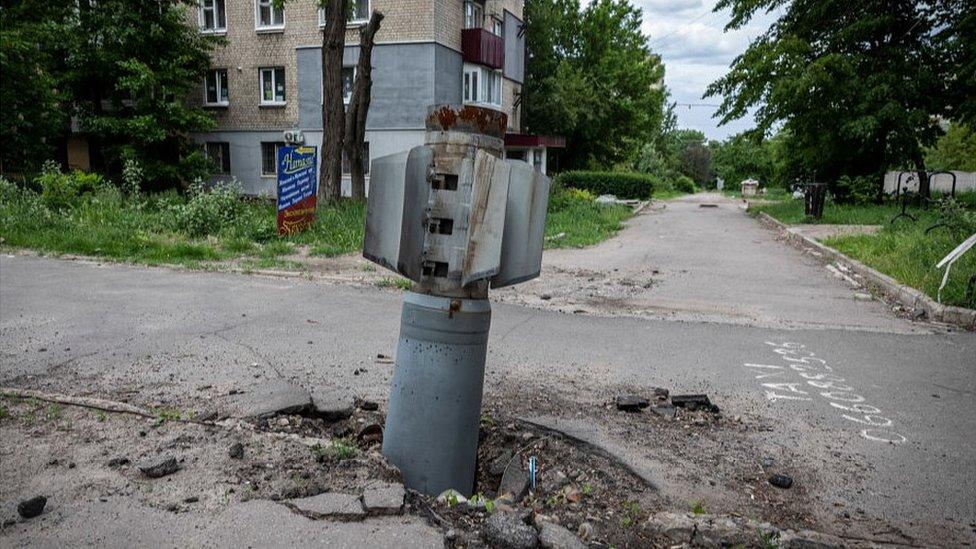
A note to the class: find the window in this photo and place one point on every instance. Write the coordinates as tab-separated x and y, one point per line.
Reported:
474	15
482	85
212	16
219	153
269	157
267	16
216	88
496	27
273	86
358	12
346	166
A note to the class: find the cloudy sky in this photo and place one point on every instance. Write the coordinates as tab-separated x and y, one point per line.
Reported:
696	51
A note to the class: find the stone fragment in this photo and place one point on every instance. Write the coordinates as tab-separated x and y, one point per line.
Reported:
515	481
367	405
277	397
664	410
383	498
780	480
236	450
498	465
509	531
370	433
694	402
332	405
30	508
118	462
631	403
660	393
330	505
159	467
554	536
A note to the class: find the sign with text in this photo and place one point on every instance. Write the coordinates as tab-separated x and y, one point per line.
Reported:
297	186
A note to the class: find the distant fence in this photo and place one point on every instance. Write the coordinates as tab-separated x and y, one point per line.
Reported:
965	182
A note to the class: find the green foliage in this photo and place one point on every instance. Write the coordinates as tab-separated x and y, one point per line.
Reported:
856	86
576	220
343	448
210	211
592	78
748	156
34	98
856	190
123	69
956	150
698	507
620	184
684	184
61	191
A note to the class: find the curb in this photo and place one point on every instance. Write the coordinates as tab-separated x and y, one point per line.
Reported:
889	287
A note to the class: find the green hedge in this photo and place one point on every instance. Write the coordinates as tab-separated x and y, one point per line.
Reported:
620	184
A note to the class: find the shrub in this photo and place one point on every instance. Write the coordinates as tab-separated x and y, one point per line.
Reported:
61	191
210	211
620	184
855	190
684	184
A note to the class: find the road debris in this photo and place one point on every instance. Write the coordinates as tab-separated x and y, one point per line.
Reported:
515	482
694	403
159	467
780	480
383	498
30	508
236	450
631	403
508	530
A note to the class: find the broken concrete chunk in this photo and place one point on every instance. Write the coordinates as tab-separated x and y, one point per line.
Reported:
661	393
159	467
780	480
332	405
277	397
554	536
330	505
631	403
383	498
236	450
515	481
498	465
694	402
30	508
509	531
367	405
664	411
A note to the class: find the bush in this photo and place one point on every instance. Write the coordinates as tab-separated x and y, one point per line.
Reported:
210	211
855	190
684	184
619	184
61	191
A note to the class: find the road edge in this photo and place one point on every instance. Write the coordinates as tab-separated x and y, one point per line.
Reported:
891	289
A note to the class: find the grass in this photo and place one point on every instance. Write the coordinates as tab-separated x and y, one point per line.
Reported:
900	250
575	220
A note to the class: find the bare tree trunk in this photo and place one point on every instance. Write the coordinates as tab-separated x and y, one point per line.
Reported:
923	179
333	112
359	107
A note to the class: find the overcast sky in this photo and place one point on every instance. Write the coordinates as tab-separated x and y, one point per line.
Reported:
696	51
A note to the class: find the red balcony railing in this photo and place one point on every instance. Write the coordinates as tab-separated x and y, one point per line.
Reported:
481	47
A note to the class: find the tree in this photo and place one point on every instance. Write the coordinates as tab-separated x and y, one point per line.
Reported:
696	163
35	103
855	85
592	78
132	69
956	150
355	131
333	110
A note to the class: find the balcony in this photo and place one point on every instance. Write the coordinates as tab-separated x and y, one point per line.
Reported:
481	47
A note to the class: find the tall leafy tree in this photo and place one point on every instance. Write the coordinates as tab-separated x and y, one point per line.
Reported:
857	85
35	101
132	70
592	78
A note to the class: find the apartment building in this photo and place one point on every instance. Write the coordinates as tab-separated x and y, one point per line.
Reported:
267	79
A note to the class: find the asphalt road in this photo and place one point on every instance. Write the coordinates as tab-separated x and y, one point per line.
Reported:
885	413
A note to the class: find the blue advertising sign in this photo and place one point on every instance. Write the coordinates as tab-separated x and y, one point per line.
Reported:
297	186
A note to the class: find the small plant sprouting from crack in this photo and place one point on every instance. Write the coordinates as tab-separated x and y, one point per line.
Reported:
339	449
632	513
698	507
101	416
768	540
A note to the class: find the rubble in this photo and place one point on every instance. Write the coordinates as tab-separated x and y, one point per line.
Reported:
780	480
507	530
159	467
515	481
694	402
332	405
631	403
383	498
277	397
554	536
330	505
236	450
30	508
